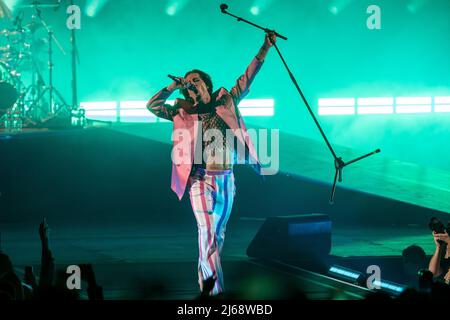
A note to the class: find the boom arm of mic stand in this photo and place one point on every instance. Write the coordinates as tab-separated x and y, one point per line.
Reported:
255	25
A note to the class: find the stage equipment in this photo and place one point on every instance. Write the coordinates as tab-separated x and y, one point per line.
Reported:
53	108
339	163
292	238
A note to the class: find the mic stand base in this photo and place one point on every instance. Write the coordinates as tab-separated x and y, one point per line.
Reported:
339	165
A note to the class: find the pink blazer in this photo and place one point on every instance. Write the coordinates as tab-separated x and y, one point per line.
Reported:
226	109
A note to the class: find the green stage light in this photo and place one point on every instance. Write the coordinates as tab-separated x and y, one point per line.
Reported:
255	10
259	6
174	6
415	5
93	7
336	6
171	10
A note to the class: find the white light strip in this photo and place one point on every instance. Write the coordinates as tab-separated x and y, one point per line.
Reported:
336	110
442	108
106	105
136	110
413	109
261	112
257	103
246	103
442	100
133	105
341	102
413	100
385	105
139	119
109	113
375	101
376	110
136	113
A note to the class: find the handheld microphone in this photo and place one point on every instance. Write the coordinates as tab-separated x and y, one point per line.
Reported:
178	80
186	85
223	7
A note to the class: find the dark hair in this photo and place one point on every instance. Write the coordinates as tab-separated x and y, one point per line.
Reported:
204	76
414	254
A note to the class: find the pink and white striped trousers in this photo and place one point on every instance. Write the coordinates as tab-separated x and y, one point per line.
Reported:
212	195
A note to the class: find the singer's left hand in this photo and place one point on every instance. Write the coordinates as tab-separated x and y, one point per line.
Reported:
270	39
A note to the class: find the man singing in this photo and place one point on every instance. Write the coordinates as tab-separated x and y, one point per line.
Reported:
198	120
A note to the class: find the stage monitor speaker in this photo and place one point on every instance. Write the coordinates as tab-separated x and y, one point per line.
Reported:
292	237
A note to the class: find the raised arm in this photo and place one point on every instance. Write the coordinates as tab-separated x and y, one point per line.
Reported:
47	260
242	86
157	104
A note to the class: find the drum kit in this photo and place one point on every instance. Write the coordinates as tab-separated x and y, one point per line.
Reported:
26	49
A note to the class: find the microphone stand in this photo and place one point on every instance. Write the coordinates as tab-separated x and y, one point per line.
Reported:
339	164
75	60
52	90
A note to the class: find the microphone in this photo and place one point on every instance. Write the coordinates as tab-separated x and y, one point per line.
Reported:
186	85
223	7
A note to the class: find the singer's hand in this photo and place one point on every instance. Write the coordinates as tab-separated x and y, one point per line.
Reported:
176	85
270	39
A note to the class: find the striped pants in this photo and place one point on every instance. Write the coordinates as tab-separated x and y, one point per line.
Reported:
212	195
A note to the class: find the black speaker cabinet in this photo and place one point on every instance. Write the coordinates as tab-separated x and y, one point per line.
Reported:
292	237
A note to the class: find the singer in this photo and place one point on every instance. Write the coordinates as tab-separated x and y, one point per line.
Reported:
211	182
